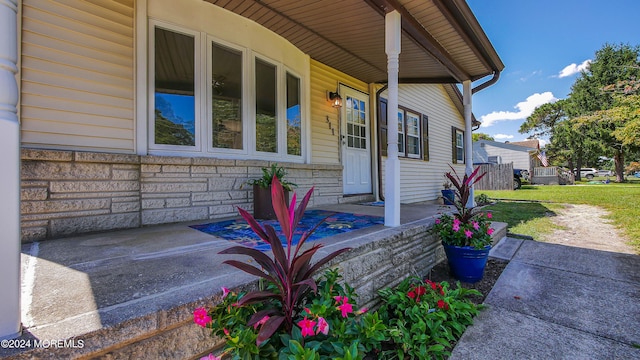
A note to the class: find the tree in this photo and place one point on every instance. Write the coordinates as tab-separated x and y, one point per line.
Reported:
568	145
481	136
571	144
595	107
543	119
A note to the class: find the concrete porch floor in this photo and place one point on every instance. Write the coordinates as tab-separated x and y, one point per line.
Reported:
106	288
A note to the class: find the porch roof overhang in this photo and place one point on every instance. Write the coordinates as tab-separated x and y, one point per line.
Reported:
442	42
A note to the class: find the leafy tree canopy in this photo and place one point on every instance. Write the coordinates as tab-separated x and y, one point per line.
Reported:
481	136
542	121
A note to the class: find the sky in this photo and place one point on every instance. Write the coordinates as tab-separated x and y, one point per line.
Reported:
544	44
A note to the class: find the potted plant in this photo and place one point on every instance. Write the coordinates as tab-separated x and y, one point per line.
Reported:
262	203
448	195
465	235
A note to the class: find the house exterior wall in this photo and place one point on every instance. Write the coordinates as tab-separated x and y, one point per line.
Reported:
325	120
520	158
71	192
77	75
80	171
422	180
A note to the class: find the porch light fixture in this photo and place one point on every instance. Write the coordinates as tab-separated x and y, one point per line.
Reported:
335	98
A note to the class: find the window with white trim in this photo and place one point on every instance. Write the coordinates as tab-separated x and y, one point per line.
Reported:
175	120
457	145
413	134
226	97
210	96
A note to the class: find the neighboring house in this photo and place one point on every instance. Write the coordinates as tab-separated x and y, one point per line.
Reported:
522	154
142	112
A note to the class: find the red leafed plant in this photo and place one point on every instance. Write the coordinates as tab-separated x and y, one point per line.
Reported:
290	271
463	192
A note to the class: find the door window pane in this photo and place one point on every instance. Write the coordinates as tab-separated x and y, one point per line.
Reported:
356	123
174	89
226	98
294	116
266	88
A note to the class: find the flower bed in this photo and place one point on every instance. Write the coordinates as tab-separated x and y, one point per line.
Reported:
293	315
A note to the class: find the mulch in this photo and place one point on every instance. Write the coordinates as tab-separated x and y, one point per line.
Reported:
492	272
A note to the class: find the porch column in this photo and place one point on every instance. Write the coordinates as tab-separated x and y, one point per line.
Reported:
468	142
9	173
392	164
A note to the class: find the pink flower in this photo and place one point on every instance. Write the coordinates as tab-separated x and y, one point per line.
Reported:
489	215
338	299
490	231
468	233
307	326
323	326
261	322
211	357
226	332
201	317
456	227
307	311
225	292
476	225
345	308
437	221
362	311
456	221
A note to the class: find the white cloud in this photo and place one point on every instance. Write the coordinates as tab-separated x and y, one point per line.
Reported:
574	69
502	136
525	108
527	77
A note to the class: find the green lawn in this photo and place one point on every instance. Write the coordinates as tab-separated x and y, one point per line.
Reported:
621	200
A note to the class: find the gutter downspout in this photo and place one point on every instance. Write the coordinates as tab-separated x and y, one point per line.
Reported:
467	95
484	85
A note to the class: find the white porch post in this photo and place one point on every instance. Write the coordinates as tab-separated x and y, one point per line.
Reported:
9	173
468	142
392	164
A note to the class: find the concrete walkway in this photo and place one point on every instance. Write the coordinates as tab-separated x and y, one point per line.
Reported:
558	302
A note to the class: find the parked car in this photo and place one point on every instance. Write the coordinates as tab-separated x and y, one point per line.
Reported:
604	173
518	176
588	173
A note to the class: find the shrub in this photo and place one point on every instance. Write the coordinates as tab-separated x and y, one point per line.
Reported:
424	318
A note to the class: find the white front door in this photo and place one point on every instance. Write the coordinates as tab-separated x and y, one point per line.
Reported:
356	142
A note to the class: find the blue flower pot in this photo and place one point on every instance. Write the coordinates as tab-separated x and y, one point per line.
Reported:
448	196
467	263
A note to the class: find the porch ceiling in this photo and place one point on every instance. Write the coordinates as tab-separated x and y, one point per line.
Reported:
442	41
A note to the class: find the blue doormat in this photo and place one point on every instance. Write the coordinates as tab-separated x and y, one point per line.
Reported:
239	231
374	203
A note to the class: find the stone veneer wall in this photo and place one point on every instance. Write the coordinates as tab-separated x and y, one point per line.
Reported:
65	193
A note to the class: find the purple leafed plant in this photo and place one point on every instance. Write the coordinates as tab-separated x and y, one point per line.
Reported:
463	191
290	271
